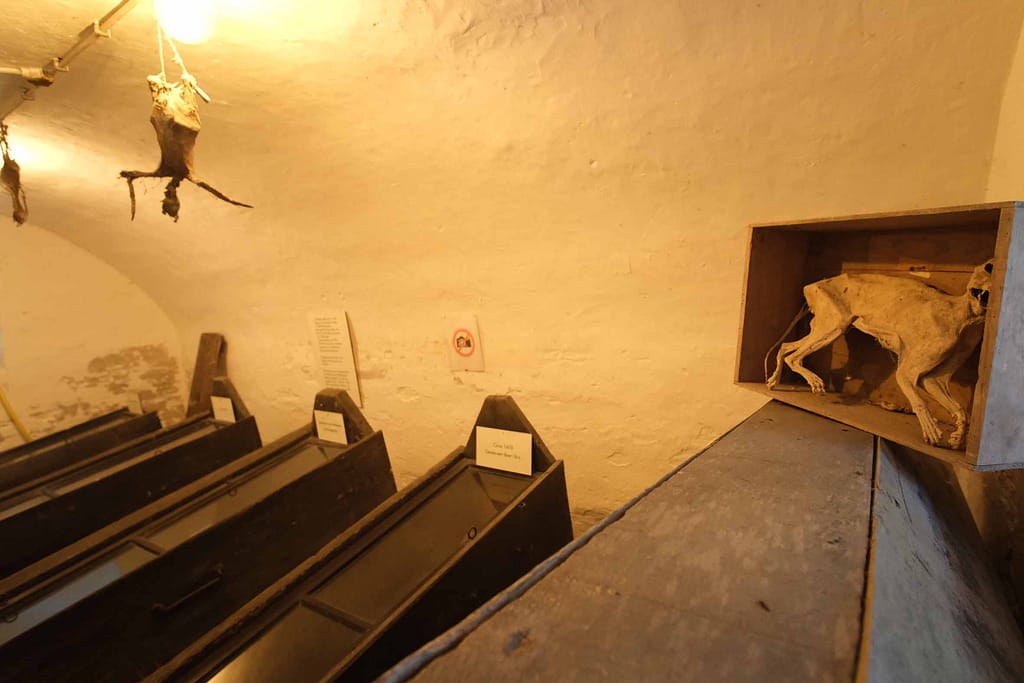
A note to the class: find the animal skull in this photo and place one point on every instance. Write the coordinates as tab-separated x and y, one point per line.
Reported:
931	332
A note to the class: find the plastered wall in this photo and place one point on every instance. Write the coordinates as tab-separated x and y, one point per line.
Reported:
78	338
579	174
1006	178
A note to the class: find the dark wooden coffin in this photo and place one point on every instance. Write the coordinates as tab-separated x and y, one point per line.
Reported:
53	483
64	448
190	569
43	538
406	573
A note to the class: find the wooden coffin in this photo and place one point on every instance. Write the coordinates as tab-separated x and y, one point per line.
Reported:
53	483
406	573
47	536
940	247
190	568
65	448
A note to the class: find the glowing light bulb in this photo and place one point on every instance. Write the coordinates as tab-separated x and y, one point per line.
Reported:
187	21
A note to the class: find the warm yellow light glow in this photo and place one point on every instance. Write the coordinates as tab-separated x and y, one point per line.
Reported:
187	21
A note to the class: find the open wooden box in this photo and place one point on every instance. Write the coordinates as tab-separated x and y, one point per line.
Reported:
941	246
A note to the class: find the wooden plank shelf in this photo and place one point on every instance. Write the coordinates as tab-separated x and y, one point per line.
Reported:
763	558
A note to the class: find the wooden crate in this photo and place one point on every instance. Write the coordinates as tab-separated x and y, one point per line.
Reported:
942	246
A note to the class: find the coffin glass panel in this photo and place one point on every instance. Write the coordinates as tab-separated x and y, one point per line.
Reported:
291	468
383	575
80	479
303	645
93	577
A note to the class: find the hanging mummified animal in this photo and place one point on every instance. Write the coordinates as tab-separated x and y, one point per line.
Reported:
10	179
175	118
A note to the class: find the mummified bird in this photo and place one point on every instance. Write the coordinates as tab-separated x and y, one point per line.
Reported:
175	118
10	179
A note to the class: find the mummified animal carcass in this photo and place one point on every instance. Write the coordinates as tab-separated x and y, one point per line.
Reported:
10	179
931	332
175	118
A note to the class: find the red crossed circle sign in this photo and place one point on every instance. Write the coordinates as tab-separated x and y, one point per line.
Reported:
463	342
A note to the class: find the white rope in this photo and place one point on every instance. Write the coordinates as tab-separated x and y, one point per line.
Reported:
177	57
160	45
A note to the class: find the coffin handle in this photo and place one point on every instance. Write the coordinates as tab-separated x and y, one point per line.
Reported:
212	579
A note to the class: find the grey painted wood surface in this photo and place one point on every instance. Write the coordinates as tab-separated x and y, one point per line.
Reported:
937	612
748	565
1002	433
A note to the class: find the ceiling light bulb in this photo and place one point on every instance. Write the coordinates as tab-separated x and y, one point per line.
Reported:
187	21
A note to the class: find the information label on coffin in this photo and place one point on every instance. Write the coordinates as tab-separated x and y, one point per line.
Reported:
330	426
501	449
223	409
462	335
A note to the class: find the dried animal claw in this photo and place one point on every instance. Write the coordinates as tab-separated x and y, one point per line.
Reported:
175	119
10	180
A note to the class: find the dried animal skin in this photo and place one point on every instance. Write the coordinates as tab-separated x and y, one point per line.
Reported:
175	119
931	332
10	180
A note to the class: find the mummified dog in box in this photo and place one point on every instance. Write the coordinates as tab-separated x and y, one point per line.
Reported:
932	333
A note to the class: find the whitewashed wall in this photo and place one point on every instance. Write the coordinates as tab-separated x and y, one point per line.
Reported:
78	338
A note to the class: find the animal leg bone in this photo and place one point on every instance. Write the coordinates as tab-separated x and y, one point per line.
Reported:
938	388
785	349
936	382
821	335
906	377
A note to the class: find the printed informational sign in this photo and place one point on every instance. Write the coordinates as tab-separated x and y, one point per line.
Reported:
463	338
133	402
223	409
330	426
333	346
501	449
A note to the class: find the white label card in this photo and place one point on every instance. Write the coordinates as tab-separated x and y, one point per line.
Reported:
334	352
330	426
462	336
223	409
501	449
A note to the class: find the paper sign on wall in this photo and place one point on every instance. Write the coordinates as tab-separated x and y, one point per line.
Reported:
330	426
462	335
333	346
501	449
223	409
133	402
